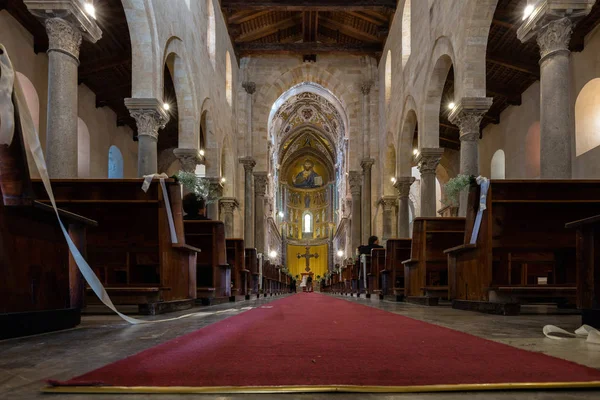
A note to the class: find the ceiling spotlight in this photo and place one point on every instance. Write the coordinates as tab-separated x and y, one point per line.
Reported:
202	152
340	253
223	180
415	152
451	106
281	215
89	8
166	106
393	179
273	254
528	11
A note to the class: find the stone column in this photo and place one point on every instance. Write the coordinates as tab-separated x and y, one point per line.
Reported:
403	185
248	163
66	25
467	115
365	89
250	88
149	116
355	181
551	23
427	162
261	181
215	194
228	206
188	158
389	205
367	165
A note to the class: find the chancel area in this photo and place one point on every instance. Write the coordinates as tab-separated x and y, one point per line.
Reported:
230	199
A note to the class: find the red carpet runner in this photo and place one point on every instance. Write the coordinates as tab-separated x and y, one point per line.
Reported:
312	342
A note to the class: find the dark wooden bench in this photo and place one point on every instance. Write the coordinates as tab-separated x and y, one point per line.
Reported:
376	272
588	268
41	288
212	270
251	256
397	250
426	272
240	276
523	253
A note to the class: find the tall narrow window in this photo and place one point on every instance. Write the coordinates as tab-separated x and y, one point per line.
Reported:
388	77
307	223
587	121
115	163
406	33
210	33
228	76
498	165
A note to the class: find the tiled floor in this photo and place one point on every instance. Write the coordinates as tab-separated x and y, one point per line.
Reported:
27	362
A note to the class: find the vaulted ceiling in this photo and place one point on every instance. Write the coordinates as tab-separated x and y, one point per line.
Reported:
308	27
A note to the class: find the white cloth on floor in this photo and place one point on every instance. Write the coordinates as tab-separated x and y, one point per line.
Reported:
589	333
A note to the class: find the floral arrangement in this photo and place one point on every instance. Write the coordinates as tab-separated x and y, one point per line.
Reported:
454	187
198	185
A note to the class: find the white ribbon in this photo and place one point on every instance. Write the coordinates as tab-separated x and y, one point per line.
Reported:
590	334
484	184
147	181
30	137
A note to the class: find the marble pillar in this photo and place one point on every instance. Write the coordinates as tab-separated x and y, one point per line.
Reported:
149	116
367	166
427	162
365	89
355	181
214	196
388	204
467	115
228	206
248	163
250	88
66	25
261	181
188	158
551	24
403	185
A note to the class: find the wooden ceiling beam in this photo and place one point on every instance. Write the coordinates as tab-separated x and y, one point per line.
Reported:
95	66
513	96
367	18
349	30
245	15
314	5
268	29
514	64
309	48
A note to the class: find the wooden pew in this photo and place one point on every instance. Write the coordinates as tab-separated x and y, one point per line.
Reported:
523	252
239	273
397	250
347	278
426	272
41	288
252	266
213	271
131	250
375	272
588	269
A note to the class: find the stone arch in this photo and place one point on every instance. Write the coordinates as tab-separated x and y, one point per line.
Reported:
83	149
441	61
211	33
177	61
146	77
406	32
498	167
404	157
228	167
31	99
586	118
388	78
115	163
212	154
532	151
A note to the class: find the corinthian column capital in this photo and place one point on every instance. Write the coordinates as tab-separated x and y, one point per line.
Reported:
428	160
467	115
188	158
149	116
261	182
249	87
63	36
355	179
403	185
248	163
555	37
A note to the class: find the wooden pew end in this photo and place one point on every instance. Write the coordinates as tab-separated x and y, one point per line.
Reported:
487	307
423	300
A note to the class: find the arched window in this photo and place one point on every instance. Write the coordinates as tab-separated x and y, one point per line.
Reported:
307	222
388	77
498	165
211	37
406	33
115	163
83	149
228	78
587	119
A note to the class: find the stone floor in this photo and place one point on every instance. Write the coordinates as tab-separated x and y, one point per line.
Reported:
26	363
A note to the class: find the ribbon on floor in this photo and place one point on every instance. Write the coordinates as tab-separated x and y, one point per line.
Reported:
31	138
589	333
484	184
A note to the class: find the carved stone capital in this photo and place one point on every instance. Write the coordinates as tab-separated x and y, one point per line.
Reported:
555	37
249	87
367	164
63	37
261	182
428	160
148	122
403	185
215	188
248	163
468	113
355	180
188	158
388	202
365	87
229	204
